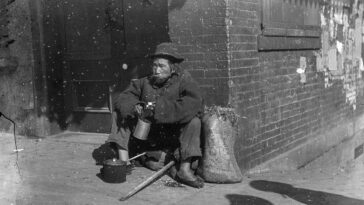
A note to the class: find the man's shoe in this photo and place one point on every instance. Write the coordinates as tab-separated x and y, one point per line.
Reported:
172	172
200	178
151	164
196	183
186	176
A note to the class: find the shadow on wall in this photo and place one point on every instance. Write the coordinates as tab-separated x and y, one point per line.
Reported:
305	196
237	199
176	4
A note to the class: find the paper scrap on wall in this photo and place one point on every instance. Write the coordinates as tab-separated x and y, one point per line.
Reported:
332	58
303	63
319	63
339	47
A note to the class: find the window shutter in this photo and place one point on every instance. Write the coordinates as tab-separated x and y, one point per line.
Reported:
294	24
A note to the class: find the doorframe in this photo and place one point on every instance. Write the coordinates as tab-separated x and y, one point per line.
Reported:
39	73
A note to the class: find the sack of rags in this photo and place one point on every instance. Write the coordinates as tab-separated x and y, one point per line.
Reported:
218	163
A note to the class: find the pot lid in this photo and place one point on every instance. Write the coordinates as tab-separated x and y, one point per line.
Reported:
114	162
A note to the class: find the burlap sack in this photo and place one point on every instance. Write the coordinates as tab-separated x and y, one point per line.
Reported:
218	163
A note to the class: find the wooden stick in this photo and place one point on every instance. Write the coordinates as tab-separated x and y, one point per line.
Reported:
148	181
139	155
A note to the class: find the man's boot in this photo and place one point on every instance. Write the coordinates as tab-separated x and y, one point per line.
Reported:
186	176
155	160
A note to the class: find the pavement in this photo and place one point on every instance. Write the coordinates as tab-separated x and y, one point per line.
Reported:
61	169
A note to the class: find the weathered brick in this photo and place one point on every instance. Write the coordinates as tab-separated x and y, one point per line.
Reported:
212	38
243	13
219	56
197	73
193	56
215	21
215	30
244	46
246	22
216	73
244	54
234	38
241	63
243	30
215	47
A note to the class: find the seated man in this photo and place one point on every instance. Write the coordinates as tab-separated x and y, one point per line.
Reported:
175	105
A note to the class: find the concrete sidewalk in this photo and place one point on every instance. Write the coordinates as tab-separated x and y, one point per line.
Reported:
61	169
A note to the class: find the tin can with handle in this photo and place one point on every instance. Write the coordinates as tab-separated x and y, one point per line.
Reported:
141	130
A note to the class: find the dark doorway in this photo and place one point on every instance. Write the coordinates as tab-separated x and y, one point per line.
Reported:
100	46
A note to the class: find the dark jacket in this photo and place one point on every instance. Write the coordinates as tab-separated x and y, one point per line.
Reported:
177	101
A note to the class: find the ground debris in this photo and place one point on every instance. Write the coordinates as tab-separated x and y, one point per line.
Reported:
172	183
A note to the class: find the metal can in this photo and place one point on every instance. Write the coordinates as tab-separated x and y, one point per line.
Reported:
141	130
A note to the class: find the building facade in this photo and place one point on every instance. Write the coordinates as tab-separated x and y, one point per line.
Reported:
291	69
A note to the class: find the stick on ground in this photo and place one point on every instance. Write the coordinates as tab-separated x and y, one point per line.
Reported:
148	181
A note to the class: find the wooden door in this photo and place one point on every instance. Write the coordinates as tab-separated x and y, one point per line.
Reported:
105	46
93	42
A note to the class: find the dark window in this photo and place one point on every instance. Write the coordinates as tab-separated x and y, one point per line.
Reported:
290	24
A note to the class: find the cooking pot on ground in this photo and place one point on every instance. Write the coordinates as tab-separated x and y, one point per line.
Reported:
114	171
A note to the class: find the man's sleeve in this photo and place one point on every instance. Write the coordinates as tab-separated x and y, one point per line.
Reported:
182	110
126	100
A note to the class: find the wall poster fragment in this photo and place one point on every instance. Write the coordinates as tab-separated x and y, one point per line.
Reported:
332	59
339	47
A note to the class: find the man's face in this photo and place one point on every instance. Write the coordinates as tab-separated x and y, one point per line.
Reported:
161	70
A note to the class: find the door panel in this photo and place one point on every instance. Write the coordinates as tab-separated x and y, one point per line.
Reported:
87	34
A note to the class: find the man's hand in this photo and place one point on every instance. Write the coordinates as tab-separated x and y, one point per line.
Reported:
145	110
148	112
138	109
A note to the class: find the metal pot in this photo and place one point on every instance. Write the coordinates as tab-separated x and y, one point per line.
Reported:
114	171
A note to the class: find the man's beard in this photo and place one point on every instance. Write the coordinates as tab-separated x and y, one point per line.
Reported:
159	81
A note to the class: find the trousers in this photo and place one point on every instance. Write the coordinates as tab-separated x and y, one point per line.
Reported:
183	140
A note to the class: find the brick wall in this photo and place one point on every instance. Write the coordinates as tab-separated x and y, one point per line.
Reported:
277	112
199	28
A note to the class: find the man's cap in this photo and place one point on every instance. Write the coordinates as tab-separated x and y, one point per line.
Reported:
167	50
